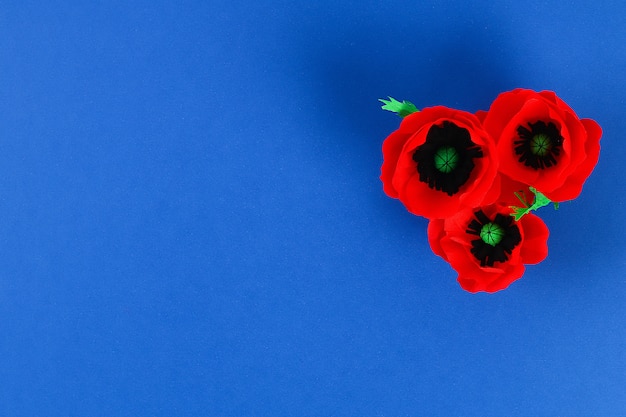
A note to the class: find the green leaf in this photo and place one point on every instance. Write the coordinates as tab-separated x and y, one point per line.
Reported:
403	108
540	200
518	212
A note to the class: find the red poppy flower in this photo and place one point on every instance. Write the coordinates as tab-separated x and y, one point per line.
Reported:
542	143
440	161
487	247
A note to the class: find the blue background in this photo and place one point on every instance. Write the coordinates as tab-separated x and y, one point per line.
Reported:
192	221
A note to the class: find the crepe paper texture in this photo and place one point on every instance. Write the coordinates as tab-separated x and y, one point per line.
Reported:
477	176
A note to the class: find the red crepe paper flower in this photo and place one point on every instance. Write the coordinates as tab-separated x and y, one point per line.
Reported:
542	143
440	161
487	247
478	177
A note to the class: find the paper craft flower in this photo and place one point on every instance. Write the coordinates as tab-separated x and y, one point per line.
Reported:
487	247
440	161
541	142
477	178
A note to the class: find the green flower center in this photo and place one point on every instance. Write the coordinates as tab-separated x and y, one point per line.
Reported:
446	159
540	144
491	234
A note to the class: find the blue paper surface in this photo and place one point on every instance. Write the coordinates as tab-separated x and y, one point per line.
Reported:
192	224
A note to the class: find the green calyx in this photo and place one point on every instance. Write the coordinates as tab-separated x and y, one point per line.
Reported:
540	144
446	159
402	109
540	200
491	234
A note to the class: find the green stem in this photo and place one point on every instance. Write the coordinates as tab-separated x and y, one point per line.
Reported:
540	200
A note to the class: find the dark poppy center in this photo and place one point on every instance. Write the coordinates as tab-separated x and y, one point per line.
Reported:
496	240
539	145
446	159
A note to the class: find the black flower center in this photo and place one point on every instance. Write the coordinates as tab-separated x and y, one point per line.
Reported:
446	159
496	237
539	146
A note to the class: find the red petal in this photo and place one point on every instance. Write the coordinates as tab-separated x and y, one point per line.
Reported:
392	147
573	184
435	234
423	201
535	243
515	272
481	115
502	110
